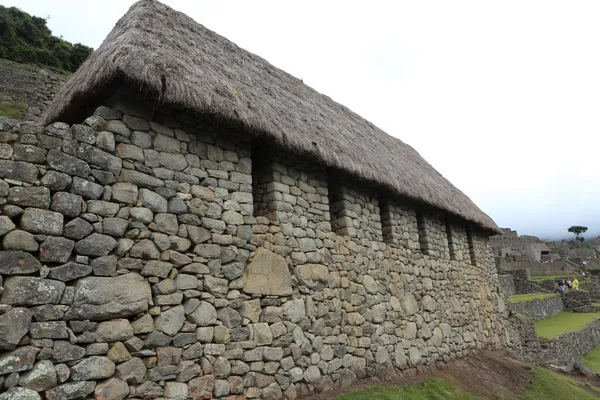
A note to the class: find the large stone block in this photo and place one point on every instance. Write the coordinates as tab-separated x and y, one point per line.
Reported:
101	298
46	222
30	291
18	263
13	326
267	274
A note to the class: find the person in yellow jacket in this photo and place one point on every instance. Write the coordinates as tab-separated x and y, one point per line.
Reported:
575	284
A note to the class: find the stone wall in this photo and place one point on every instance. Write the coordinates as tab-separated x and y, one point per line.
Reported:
578	301
29	84
507	284
540	269
538	309
151	254
571	346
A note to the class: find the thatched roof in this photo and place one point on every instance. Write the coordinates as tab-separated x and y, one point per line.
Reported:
169	53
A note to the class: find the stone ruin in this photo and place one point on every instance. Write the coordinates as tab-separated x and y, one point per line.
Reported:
146	257
148	251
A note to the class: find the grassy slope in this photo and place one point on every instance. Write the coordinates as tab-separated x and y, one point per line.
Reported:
562	323
547	385
544	277
531	296
592	359
13	110
431	389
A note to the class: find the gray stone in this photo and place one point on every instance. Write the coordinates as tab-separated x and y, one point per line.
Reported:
83	133
18	360
174	162
100	158
135	123
70	271
95	245
141	139
312	374
87	189
67	204
18	263
233	270
100	298
46	222
409	304
204	315
77	229
129	151
112	389
167	144
6	225
33	196
49	330
132	371
71	390
139	178
144	249
20	393
118	127
197	234
62	162
267	274
18	170
56	181
177	206
157	339
124	192
185	281
102	208
65	351
41	377
115	226
105	141
294	309
114	331
170	321
141	214
428	303
414	355
30	291
104	266
14	324
153	201
216	285
56	249
166	223
19	240
230	317
32	154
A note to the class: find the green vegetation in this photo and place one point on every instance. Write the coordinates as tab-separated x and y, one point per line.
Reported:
531	296
431	389
13	110
549	385
592	359
27	39
562	323
546	385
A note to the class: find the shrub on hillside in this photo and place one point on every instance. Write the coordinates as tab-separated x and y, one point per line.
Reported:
27	39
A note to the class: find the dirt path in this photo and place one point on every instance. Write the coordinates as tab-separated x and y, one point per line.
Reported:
492	375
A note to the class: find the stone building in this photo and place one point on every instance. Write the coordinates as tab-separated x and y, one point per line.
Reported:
192	222
510	247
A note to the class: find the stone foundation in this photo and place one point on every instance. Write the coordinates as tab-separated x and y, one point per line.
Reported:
147	253
537	309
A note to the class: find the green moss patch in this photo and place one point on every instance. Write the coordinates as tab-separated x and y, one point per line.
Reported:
531	296
562	323
13	110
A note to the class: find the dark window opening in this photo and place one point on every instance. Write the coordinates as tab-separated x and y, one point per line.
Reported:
451	247
423	238
471	247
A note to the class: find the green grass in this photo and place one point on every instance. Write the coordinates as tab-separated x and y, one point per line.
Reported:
592	359
13	110
431	389
531	296
562	323
544	277
549	385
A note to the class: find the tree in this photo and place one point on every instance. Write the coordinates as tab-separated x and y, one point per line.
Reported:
578	230
27	39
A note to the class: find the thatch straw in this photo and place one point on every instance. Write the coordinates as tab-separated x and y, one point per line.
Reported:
189	65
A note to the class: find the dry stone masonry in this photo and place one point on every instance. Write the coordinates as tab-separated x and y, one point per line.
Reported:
151	254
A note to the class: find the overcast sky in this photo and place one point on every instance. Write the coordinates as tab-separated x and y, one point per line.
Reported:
503	98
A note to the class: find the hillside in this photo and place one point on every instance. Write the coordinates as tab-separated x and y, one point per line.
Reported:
27	39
